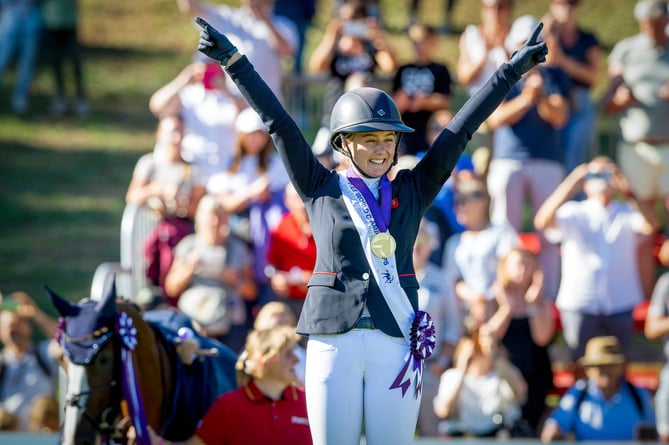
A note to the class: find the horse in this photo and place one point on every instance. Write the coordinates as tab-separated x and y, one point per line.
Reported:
123	369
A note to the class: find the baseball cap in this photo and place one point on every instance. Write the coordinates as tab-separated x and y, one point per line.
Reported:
249	121
520	31
650	9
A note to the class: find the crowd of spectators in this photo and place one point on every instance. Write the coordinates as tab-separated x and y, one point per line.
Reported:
234	250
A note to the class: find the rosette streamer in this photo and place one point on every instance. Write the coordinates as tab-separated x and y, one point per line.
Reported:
128	334
422	341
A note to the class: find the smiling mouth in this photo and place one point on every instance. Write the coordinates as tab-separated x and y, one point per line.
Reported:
377	161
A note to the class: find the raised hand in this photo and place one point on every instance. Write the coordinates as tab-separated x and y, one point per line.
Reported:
530	54
213	43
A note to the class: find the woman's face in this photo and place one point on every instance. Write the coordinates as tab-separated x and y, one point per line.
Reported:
253	143
282	366
498	11
372	152
170	135
518	269
213	223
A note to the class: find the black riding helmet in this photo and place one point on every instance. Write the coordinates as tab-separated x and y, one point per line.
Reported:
362	110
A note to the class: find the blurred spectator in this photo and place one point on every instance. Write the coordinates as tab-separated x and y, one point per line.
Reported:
200	95
434	297
578	53
481	51
600	281
482	47
353	42
266	39
473	255
8	421
27	369
44	416
301	13
482	394
267	407
292	253
605	405
441	212
61	44
20	29
163	181
420	88
527	149
446	27
524	324
275	314
657	327
212	276
639	93
251	191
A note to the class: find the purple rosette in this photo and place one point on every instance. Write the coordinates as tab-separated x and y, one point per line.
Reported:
422	342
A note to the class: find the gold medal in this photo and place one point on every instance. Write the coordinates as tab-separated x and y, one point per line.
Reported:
383	245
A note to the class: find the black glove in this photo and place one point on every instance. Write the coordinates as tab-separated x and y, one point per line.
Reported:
213	43
530	54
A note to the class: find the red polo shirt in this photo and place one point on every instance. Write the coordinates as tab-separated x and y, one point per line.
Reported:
246	416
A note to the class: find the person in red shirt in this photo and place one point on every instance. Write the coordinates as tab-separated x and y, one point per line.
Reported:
267	407
292	253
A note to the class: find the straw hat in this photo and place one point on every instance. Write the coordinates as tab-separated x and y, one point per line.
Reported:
601	351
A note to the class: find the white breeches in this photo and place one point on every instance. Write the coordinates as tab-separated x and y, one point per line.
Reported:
348	377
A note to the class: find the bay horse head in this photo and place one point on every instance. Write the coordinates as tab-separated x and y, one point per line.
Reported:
88	333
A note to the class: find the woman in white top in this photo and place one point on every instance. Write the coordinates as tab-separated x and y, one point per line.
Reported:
251	190
482	46
482	393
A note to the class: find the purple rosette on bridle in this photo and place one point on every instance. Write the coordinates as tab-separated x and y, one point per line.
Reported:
127	331
423	340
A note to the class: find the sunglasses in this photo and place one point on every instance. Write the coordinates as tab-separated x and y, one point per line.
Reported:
566	2
462	200
605	175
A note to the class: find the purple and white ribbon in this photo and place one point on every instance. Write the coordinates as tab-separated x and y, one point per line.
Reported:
128	333
423	341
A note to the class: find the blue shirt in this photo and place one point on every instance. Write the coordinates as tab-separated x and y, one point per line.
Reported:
599	419
532	137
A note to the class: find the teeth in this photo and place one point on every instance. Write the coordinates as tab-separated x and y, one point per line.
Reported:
376	161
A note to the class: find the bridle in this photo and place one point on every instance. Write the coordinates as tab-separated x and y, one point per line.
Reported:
110	425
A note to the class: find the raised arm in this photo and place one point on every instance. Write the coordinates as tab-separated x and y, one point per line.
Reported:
445	151
304	170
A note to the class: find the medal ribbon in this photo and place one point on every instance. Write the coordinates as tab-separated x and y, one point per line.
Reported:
381	214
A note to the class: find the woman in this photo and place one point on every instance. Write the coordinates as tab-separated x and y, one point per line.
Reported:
172	187
267	407
360	311
524	324
251	190
212	276
483	392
